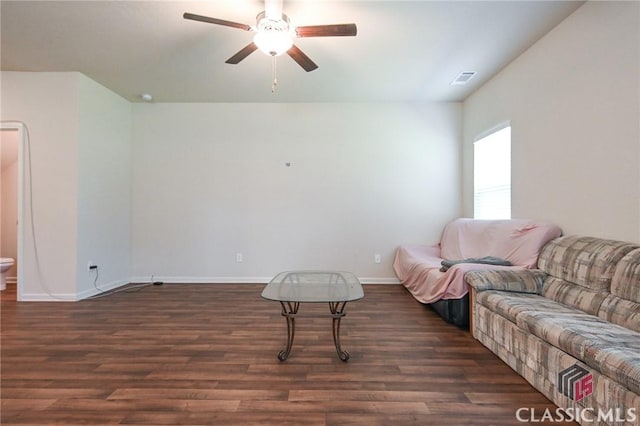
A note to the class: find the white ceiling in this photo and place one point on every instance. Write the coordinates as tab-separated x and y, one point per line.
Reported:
404	50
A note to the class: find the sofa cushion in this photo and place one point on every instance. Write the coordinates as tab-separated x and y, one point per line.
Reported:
574	295
608	348
509	305
520	281
621	311
586	261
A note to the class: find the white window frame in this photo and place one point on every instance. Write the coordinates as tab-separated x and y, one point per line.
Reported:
492	173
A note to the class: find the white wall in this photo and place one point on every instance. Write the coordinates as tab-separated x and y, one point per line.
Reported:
79	131
210	181
573	101
47	103
104	187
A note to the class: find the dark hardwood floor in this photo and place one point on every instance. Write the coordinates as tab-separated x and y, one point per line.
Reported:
201	354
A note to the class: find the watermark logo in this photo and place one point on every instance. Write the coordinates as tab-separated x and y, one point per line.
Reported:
575	382
578	414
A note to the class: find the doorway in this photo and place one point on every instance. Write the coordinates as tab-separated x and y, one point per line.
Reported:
12	138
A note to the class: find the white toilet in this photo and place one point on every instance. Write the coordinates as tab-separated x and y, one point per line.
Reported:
5	264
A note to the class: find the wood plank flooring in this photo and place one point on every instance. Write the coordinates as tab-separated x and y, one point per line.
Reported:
205	354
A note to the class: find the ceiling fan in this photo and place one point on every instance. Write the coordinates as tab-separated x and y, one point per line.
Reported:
274	34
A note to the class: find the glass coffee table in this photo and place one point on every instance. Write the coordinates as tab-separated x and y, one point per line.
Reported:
294	287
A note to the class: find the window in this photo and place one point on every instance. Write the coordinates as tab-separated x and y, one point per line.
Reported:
492	175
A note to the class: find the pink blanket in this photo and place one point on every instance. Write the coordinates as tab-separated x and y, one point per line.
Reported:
518	241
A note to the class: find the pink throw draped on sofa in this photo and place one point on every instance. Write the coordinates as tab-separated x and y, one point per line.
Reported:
517	240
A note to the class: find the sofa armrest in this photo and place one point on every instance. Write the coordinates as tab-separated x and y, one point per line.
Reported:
520	281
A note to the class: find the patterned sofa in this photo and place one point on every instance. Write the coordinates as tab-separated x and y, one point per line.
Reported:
571	327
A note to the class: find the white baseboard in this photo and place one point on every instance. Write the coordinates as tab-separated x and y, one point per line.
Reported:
240	280
46	297
383	281
202	280
69	297
103	289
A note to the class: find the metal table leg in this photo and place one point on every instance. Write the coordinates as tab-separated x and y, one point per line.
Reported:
289	311
337	312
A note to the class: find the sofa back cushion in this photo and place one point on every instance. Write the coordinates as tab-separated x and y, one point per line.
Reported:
622	306
586	261
626	278
573	295
517	240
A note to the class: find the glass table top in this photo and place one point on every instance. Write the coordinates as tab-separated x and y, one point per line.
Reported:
314	286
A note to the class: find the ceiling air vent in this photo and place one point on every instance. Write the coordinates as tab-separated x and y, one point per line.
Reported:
463	78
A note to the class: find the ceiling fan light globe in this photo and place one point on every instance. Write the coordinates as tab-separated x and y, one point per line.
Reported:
273	43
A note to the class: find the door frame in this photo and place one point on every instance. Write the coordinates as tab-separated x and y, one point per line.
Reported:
22	141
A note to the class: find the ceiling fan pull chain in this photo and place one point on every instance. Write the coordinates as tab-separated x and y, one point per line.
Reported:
273	73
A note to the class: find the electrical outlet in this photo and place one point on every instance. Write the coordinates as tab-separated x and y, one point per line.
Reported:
239	258
91	266
377	258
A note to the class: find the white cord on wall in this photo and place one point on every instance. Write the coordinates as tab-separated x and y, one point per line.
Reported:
29	194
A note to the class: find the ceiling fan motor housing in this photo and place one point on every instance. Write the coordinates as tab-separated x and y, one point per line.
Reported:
269	24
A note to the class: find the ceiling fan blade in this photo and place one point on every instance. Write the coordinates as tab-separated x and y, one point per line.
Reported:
242	53
303	60
327	30
216	21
